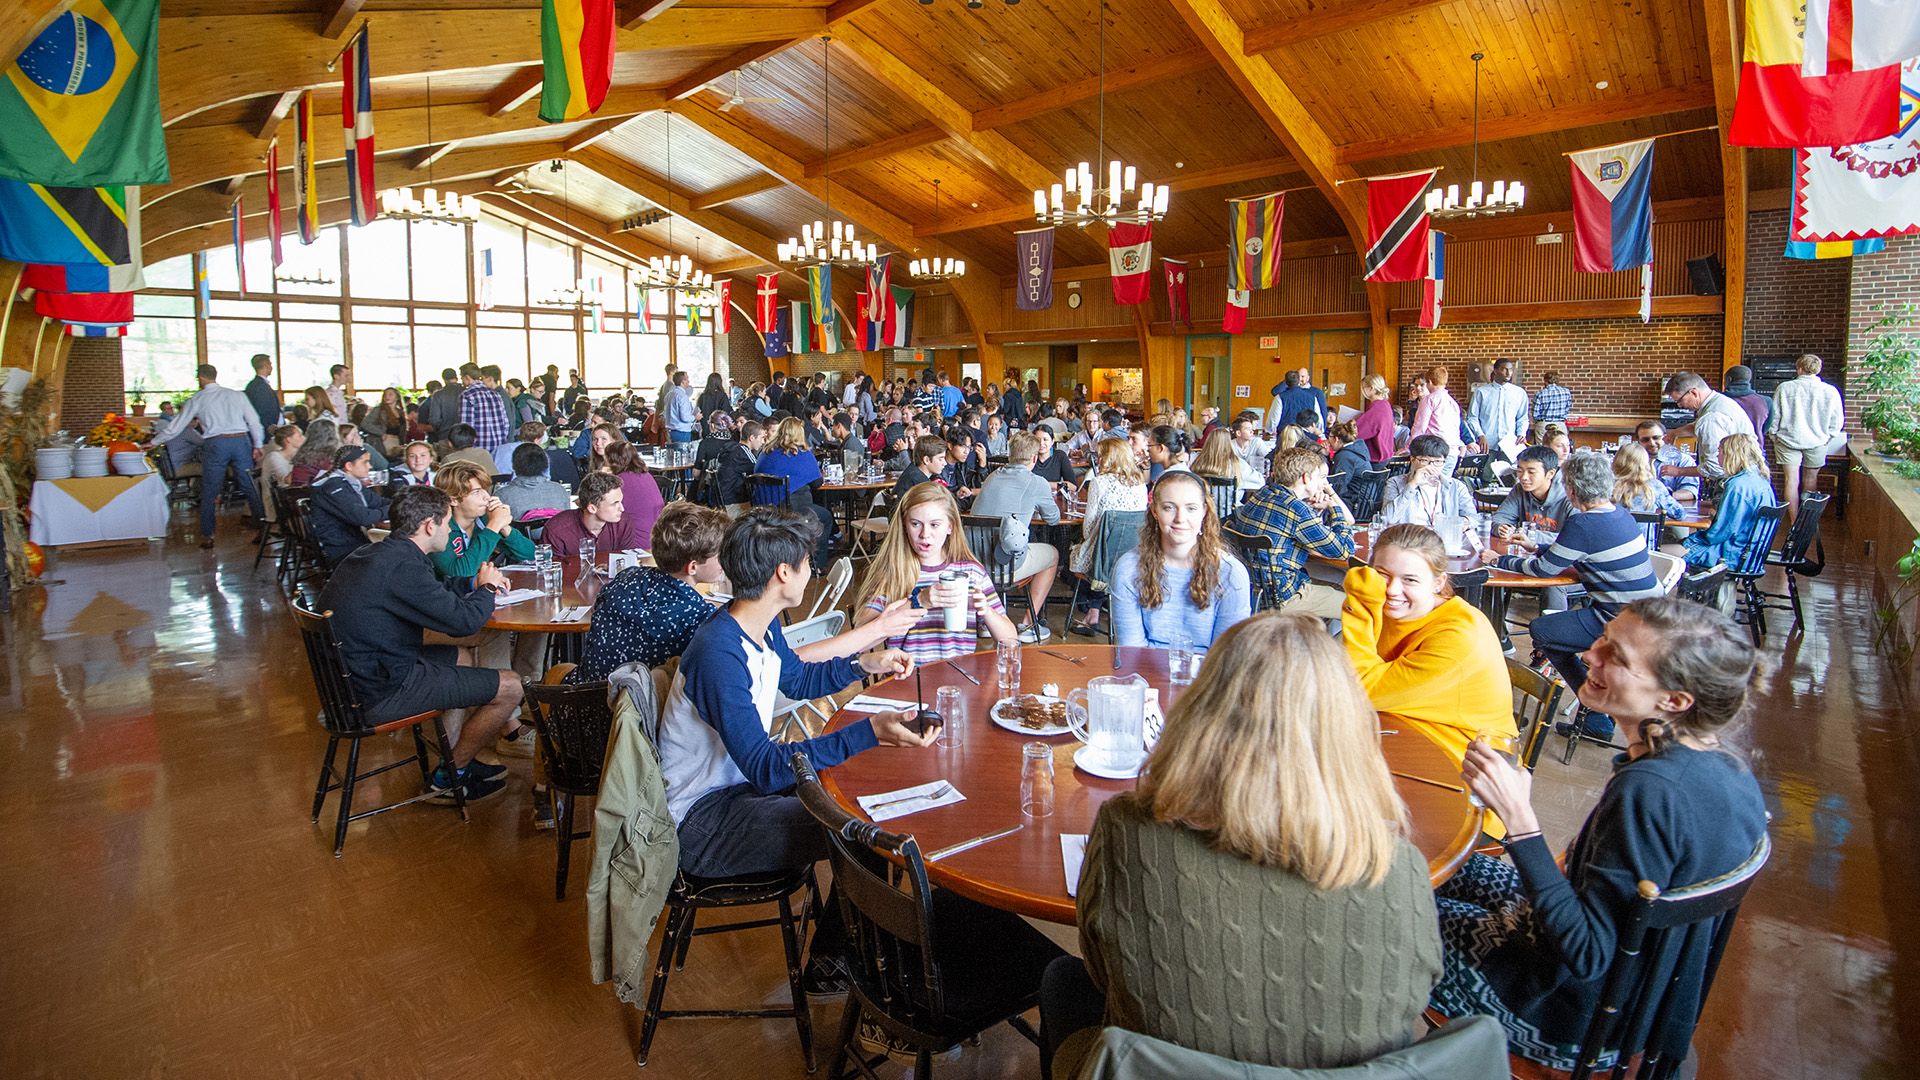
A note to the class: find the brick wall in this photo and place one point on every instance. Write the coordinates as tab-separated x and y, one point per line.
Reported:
1613	366
1878	283
1794	306
746	360
94	384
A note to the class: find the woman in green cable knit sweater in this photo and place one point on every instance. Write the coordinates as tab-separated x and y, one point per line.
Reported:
1256	896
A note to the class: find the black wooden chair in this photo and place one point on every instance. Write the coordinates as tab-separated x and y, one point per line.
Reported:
573	721
766	489
1703	586
1749	565
983	536
181	487
1802	555
929	968
1256	552
273	534
1225	492
344	718
1650	522
302	562
1536	701
1472	468
1364	493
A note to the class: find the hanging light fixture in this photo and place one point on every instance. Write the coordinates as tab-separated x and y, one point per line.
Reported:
678	273
446	208
937	269
1503	196
832	241
1099	204
581	293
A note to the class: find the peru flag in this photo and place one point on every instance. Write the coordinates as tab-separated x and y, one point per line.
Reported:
1129	260
1612	207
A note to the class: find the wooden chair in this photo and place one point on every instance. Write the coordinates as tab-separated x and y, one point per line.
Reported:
1365	492
1797	557
342	714
1650	522
1472	468
765	489
1749	565
1225	492
573	722
1117	534
1256	552
928	968
983	536
1536	701
1703	586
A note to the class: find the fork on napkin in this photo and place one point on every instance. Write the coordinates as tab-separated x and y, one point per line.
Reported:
911	800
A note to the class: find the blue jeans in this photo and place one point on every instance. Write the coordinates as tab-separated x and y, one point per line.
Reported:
216	456
680	436
1563	636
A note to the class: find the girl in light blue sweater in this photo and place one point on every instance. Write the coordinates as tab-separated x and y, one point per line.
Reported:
1181	581
1747	491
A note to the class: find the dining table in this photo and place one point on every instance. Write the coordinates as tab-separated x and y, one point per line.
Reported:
1024	872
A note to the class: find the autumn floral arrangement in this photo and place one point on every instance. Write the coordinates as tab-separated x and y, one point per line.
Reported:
114	428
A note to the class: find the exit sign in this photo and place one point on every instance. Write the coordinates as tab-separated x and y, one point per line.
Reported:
1270	342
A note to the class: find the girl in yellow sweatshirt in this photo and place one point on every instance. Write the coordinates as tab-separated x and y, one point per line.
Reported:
1426	657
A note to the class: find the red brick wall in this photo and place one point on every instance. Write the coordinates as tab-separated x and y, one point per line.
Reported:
1879	282
1794	306
1613	366
746	360
94	384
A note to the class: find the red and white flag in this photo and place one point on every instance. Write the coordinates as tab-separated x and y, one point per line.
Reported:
1176	270
1235	319
1436	284
766	306
1397	225
273	200
240	244
356	116
1857	35
726	305
1129	258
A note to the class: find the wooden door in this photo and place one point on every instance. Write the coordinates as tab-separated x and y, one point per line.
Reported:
1337	359
1209	371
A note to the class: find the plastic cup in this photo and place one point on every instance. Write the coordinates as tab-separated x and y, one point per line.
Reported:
1036	780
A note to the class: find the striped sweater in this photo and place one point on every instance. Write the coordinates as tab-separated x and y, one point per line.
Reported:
1606	550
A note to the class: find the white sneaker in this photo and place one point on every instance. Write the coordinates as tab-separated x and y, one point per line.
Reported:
1036	633
520	745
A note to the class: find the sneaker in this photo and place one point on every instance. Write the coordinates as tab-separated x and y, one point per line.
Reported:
1595	726
825	976
1035	632
543	808
875	1040
517	744
474	781
1085	629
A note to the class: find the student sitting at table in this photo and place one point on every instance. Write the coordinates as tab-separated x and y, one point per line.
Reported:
789	456
530	492
1537	499
1118	483
385	598
961	472
417	457
533	433
461	437
1425	494
1300	512
1016	495
1637	489
1348	454
1269	811
343	507
729	785
1748	489
734	465
600	519
1166	451
642	501
1424	655
1181	581
1555	438
1216	459
648	614
929	463
1530	943
315	455
1051	464
1604	548
482	524
924	542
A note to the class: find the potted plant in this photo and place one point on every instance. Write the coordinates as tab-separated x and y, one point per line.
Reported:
137	397
1891	364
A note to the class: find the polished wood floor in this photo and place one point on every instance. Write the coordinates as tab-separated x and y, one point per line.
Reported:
169	910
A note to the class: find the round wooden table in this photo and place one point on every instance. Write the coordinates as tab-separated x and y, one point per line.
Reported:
541	615
1023	873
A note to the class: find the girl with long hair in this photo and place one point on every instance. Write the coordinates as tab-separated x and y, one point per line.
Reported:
319	404
714	398
1636	488
386	422
641	492
1268	809
1748	489
599	440
1118	483
1217	458
316	457
925	556
1181	582
1166	450
1375	424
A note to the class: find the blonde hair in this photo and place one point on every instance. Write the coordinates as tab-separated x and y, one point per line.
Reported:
1290	437
1740	453
1373	387
896	569
1116	460
1421	542
1633	481
1279	764
790	436
1808	364
458	477
1216	457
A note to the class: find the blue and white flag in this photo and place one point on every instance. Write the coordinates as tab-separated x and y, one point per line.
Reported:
779	334
1033	269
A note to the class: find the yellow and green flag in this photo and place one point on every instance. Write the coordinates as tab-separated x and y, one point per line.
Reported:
81	105
576	51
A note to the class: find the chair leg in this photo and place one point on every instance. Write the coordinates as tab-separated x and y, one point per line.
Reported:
563	836
686	941
658	990
446	756
1793	596
420	757
802	1017
326	773
346	797
922	1065
849	1027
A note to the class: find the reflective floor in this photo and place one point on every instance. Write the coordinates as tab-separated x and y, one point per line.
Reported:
170	910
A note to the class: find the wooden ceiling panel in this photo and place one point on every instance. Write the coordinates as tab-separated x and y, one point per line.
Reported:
905	182
700	162
864	110
1155	128
581	188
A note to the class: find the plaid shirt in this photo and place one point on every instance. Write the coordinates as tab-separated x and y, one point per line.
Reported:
1297	530
482	409
1552	403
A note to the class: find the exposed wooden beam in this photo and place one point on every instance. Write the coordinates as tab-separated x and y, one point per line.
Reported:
337	15
1261	324
277	112
1159	69
1635	107
735	265
1292	249
232	186
924	135
720	196
1277	167
654	189
209	60
1349	16
23	20
201	154
634	12
594	132
431	154
840	11
518	89
1722	55
573	224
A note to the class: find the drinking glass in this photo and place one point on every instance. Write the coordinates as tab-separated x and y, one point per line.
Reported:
586	558
1502	744
1006	666
952	707
550	578
1036	780
1180	660
543	555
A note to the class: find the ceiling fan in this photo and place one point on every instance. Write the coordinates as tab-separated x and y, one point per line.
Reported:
740	99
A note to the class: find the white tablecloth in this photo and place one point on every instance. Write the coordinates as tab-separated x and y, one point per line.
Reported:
83	511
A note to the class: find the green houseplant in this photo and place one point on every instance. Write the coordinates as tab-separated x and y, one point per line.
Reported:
137	397
1891	364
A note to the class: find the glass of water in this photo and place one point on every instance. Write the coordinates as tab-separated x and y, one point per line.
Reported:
1180	660
952	707
1006	666
1036	780
586	558
1502	744
543	555
550	579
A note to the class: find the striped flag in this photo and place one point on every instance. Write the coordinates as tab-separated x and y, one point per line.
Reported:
1129	258
1176	270
86	329
1793	94
1834	249
1435	286
240	244
879	275
273	201
1235	318
898	331
201	283
306	195
820	293
356	117
74	239
576	56
1397	226
1612	207
85	307
1254	231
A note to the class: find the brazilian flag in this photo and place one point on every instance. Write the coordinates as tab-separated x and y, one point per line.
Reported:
81	106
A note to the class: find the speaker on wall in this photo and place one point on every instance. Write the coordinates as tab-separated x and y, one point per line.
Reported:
1708	276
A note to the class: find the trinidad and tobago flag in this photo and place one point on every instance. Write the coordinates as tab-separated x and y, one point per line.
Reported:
1397	224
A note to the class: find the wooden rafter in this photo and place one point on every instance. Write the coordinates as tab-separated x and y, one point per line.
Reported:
277	111
720	196
835	15
924	135
1636	107
429	155
1723	60
573	223
594	132
1172	66
518	89
632	13
654	189
337	15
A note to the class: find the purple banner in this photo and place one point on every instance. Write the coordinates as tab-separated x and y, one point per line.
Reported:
1033	269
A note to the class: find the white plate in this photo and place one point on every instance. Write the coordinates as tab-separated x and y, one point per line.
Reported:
1011	720
1086	760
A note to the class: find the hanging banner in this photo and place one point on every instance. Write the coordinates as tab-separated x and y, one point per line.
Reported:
1033	269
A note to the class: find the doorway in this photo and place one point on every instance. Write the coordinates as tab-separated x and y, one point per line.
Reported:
1337	359
1209	372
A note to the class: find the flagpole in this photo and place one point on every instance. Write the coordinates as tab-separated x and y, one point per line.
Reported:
351	38
1263	195
1384	176
1661	135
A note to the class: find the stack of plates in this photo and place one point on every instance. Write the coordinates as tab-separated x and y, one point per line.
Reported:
53	462
130	463
90	461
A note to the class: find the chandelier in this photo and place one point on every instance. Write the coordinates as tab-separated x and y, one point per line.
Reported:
937	269
447	208
1092	204
1481	201
314	277
695	287
830	242
580	294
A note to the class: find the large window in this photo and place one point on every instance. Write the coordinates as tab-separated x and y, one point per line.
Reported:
420	298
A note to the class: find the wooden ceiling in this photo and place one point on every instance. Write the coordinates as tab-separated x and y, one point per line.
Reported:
1217	97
